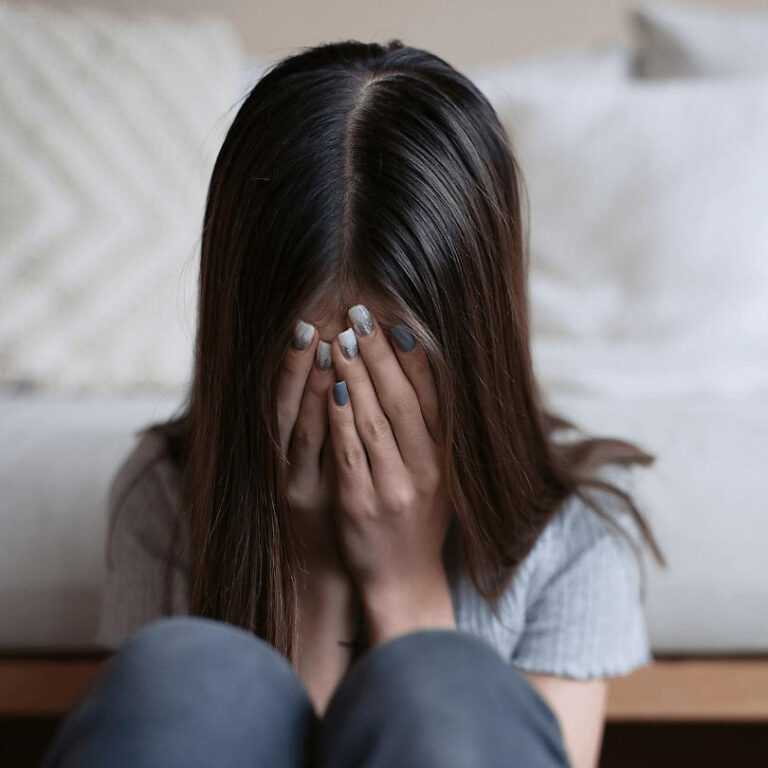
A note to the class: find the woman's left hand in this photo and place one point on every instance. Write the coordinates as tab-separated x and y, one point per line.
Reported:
393	516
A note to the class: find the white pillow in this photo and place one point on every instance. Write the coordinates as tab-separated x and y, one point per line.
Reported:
648	232
603	63
109	127
252	70
675	40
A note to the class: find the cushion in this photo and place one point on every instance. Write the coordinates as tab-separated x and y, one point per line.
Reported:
648	232
704	498
676	40
110	126
58	456
604	63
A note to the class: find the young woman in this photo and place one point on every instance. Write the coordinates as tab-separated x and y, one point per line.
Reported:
395	467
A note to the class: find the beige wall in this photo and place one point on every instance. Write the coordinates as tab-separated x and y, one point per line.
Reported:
467	33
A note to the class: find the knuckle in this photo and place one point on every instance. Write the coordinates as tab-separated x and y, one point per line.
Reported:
303	438
352	456
375	426
356	506
401	497
403	406
367	511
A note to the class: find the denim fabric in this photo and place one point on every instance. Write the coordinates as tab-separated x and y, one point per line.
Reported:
185	691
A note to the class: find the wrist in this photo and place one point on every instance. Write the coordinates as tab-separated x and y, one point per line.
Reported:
326	585
329	602
394	611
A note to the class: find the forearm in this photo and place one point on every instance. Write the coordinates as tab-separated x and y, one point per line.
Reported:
328	613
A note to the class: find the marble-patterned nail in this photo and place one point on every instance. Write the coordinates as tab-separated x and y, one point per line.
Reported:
323	355
303	333
361	319
348	343
403	337
340	393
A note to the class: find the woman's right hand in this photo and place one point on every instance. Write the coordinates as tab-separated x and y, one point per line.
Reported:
302	412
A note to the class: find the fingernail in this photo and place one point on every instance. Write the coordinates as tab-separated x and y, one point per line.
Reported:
404	338
303	333
361	319
348	343
340	393
323	355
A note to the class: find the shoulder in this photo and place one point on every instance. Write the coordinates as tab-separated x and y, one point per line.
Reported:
576	528
582	584
141	543
146	464
143	496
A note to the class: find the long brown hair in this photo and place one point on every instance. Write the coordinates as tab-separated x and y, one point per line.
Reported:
352	167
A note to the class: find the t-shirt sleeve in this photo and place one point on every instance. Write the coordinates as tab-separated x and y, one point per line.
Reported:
584	611
141	519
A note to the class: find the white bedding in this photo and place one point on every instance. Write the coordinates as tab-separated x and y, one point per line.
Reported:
706	500
648	232
57	458
674	39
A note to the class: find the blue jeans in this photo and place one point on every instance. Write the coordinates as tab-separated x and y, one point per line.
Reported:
183	692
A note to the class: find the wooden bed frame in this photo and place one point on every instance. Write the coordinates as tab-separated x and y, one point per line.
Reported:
679	689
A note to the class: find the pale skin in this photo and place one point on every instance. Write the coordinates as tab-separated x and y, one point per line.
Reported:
374	535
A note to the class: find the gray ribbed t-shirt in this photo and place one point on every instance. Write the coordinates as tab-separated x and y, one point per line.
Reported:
573	609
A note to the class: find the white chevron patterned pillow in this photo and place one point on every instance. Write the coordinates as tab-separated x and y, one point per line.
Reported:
109	127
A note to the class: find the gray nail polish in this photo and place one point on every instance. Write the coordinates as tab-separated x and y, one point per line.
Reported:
303	333
404	338
361	319
323	355
340	393
348	343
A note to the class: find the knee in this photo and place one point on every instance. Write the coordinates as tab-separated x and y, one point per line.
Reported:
179	631
433	660
423	675
415	671
437	662
178	644
174	636
451	697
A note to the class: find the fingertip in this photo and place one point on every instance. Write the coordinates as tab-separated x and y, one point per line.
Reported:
332	408
323	358
404	339
340	393
303	335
